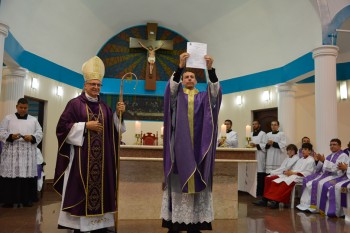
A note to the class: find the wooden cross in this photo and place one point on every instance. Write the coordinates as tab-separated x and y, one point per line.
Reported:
151	45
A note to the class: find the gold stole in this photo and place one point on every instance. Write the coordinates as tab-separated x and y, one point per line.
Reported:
95	182
190	115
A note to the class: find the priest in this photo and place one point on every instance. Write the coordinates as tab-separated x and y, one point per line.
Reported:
85	173
328	170
190	133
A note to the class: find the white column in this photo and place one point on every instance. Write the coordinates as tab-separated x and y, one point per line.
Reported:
286	110
12	89
4	30
325	96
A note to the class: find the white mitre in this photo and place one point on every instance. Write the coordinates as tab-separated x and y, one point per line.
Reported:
93	69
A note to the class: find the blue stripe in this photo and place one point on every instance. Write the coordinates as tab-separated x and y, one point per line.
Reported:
292	70
282	74
336	23
13	48
112	86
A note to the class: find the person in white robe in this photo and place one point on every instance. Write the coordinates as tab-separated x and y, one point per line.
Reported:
280	189
20	133
303	140
328	170
287	164
231	140
337	198
275	147
342	191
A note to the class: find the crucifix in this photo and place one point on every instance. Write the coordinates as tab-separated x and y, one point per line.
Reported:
151	45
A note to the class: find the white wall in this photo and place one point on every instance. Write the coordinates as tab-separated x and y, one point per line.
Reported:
54	106
242	115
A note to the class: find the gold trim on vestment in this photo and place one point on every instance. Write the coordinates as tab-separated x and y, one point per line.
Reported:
80	172
344	190
88	206
190	115
191	188
62	174
96	215
66	208
211	141
103	159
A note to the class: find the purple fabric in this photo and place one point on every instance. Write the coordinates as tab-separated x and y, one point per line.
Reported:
314	188
78	193
329	188
346	151
183	158
309	178
40	169
300	153
343	195
324	175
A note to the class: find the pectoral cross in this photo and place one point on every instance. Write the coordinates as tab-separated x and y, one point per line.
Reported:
151	45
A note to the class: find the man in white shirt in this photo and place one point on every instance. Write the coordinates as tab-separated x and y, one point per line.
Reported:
231	140
275	147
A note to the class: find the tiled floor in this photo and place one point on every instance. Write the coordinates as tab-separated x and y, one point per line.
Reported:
42	217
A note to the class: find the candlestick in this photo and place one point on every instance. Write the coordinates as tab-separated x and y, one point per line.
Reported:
248	140
223	130
248	130
223	141
138	138
137	127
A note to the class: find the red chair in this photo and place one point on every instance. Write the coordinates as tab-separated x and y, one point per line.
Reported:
149	139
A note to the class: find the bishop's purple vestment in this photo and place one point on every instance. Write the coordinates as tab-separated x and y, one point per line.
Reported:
91	185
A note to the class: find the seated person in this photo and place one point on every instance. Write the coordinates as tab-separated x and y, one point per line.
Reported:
287	164
337	195
303	140
280	188
342	193
311	199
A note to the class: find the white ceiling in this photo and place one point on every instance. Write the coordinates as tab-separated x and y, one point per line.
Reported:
244	36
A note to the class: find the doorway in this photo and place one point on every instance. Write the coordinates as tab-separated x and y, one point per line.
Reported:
36	109
265	116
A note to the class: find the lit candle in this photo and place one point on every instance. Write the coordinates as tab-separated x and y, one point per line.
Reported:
137	127
161	130
248	129
223	130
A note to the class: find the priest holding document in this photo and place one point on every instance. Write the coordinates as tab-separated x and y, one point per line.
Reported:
190	134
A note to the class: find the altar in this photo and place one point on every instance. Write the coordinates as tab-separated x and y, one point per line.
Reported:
141	178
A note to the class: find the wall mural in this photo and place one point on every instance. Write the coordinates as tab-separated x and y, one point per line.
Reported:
138	107
119	59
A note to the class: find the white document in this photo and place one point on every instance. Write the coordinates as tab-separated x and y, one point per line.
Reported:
197	52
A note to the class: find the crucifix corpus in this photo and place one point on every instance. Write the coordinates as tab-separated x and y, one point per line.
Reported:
151	45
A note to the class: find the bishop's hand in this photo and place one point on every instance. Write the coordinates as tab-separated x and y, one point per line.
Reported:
120	108
94	126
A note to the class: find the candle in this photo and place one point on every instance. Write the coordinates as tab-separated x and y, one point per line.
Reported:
223	130
137	127
248	129
161	130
